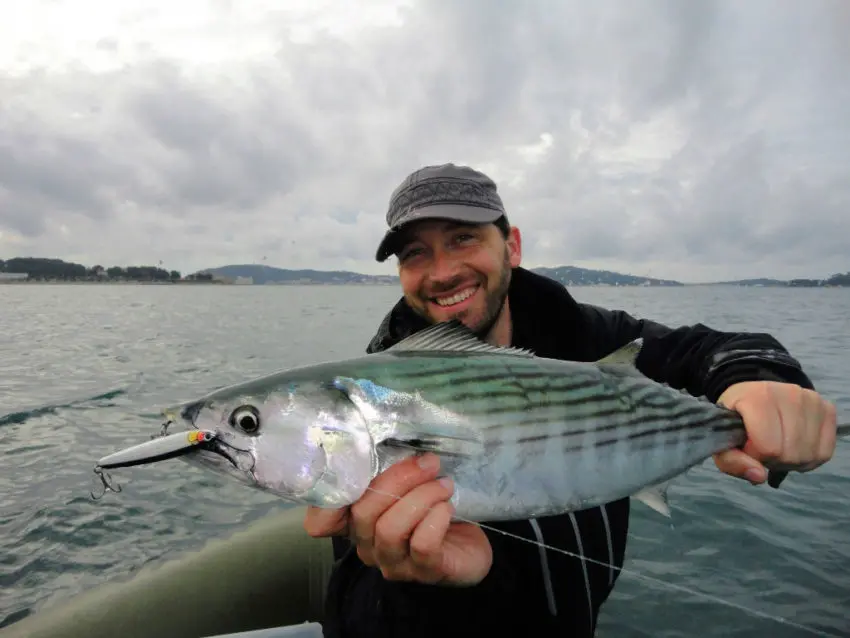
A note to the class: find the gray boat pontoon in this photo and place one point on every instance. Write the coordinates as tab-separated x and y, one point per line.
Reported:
267	581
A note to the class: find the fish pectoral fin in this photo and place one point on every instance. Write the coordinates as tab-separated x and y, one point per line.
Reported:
443	446
452	336
417	425
655	496
439	437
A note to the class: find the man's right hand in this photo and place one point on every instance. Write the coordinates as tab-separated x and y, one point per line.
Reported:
410	538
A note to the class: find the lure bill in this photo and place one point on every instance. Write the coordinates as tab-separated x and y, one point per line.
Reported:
157	449
520	435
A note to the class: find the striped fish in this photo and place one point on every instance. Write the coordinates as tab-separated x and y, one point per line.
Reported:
521	436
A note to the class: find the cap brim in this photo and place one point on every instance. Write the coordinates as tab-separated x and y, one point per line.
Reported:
452	212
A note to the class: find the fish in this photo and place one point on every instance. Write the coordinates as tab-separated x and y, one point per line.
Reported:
520	435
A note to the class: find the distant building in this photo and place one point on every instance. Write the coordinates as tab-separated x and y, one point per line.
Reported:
13	276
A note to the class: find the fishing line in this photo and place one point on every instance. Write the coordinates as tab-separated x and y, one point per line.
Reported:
638	575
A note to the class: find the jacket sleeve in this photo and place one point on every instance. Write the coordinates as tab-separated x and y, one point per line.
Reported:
696	358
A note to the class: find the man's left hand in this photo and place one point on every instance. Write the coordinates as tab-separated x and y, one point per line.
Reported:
788	428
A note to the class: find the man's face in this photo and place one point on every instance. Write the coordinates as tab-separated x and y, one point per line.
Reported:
449	271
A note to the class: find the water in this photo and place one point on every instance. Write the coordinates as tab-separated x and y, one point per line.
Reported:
84	370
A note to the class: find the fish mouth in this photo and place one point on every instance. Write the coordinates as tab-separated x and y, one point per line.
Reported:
222	454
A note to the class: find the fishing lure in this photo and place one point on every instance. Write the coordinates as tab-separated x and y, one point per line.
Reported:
159	448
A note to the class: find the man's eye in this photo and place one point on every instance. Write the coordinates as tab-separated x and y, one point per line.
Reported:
407	254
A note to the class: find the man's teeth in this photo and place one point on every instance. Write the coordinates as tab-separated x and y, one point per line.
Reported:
450	301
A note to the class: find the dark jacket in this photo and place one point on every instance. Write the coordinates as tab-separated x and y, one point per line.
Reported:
530	591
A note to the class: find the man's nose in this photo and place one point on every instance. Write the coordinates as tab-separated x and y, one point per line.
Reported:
444	267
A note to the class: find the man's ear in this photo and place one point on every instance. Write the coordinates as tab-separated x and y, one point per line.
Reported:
514	242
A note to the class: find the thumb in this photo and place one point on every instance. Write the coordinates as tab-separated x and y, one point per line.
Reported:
320	522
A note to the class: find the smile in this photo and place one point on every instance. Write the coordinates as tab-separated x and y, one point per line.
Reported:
456	298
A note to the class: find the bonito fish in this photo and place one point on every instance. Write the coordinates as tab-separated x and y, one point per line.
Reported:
521	436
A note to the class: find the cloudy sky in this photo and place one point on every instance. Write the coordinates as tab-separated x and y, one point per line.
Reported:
695	140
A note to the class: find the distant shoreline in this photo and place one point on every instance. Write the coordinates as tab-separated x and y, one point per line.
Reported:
59	282
62	282
364	284
42	271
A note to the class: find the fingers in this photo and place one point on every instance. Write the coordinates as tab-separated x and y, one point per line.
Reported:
390	486
426	543
766	433
739	464
805	410
828	433
802	414
386	489
394	529
788	427
320	522
403	526
819	447
400	526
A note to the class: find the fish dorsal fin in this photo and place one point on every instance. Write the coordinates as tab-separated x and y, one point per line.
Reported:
622	361
452	336
628	354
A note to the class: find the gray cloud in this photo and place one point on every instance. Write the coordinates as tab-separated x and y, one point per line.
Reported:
691	140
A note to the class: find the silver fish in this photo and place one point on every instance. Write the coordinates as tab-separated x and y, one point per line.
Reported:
521	436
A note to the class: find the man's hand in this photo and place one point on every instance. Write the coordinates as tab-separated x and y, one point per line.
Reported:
788	428
409	538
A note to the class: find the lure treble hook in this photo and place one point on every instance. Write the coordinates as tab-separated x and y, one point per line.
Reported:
107	483
159	448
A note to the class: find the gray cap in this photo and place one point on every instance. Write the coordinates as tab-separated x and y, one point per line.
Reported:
446	191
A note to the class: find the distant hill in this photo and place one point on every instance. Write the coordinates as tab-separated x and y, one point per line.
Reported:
567	275
574	276
271	275
837	280
34	269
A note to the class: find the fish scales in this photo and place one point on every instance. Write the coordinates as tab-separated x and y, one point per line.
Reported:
544	425
489	386
517	400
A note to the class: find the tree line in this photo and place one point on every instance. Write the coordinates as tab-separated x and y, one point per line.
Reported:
835	280
839	280
43	269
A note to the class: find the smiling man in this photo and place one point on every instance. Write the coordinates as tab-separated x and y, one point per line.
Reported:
456	261
404	569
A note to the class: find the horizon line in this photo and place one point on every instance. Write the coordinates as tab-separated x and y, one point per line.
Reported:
362	274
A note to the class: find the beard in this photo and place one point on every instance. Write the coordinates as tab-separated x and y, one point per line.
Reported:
494	300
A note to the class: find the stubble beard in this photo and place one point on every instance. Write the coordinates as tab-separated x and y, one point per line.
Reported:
494	301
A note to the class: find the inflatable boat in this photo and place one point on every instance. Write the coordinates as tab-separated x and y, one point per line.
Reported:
267	581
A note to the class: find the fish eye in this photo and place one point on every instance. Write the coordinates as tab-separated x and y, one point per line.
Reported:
246	418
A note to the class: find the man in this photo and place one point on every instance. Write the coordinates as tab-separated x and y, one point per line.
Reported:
409	571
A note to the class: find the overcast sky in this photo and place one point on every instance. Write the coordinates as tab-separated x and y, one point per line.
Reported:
690	140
